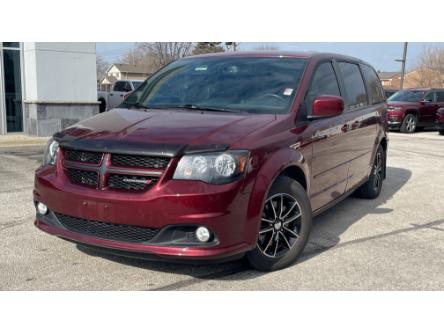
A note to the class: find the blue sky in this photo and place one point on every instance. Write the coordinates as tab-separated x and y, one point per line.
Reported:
381	55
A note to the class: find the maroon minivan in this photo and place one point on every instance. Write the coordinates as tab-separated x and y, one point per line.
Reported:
219	156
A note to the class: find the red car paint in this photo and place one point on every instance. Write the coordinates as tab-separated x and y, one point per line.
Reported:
425	111
330	156
440	121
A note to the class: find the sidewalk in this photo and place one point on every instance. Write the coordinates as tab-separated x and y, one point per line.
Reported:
20	140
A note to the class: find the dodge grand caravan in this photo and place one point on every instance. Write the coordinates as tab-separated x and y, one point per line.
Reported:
217	157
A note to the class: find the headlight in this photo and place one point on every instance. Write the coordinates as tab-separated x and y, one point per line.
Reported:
50	155
215	168
394	108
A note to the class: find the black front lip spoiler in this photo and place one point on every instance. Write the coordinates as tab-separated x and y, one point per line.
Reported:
106	251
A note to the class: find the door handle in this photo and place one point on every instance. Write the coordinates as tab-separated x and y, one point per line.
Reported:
111	94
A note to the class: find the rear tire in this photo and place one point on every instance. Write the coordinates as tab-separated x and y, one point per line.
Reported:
372	188
409	124
285	226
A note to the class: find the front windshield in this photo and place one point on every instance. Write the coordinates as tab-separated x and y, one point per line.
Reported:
407	96
245	84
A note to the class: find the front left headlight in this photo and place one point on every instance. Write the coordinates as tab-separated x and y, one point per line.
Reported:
50	154
214	168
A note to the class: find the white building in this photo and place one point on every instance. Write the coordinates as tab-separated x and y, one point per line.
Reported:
45	87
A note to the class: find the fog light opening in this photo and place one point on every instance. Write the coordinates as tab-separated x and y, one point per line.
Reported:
203	234
41	208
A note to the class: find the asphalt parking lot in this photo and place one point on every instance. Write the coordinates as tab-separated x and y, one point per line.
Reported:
395	242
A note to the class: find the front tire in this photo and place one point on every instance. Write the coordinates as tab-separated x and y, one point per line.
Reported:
409	124
441	132
372	188
285	226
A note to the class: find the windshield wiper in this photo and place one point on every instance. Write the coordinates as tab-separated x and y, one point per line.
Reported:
193	107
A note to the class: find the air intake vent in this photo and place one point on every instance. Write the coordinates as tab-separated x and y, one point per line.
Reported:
118	232
149	162
83	156
82	177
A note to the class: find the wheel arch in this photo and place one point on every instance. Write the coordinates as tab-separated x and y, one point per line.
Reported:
287	162
411	111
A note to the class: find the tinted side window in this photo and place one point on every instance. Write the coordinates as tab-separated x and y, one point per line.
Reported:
324	83
119	86
440	96
373	83
430	97
128	86
356	95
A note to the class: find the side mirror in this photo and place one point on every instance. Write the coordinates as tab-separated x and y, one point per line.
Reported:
327	106
425	101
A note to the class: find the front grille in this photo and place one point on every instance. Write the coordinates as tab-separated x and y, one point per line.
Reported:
130	182
150	162
82	177
83	156
119	232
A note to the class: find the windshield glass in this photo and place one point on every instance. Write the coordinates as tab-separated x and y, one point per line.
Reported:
136	84
249	84
407	96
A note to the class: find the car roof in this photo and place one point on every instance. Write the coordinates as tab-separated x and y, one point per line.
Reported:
423	89
281	54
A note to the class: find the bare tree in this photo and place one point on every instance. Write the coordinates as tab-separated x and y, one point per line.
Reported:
429	71
166	52
101	67
156	55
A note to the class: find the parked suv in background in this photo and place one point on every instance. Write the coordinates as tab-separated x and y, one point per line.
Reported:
414	108
218	156
440	121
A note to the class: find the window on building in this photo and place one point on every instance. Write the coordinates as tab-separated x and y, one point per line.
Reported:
11	44
356	95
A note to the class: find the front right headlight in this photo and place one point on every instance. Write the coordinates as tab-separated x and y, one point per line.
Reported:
50	154
213	168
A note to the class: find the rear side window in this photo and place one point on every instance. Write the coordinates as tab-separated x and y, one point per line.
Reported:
430	97
373	83
440	96
356	95
119	86
324	83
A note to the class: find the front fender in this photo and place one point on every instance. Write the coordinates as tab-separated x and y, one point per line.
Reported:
274	164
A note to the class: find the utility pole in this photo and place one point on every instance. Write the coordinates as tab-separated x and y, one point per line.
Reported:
403	60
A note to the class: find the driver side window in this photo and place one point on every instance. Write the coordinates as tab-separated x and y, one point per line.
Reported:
430	97
324	83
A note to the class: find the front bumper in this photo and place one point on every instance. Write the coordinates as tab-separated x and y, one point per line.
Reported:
394	118
394	124
220	208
